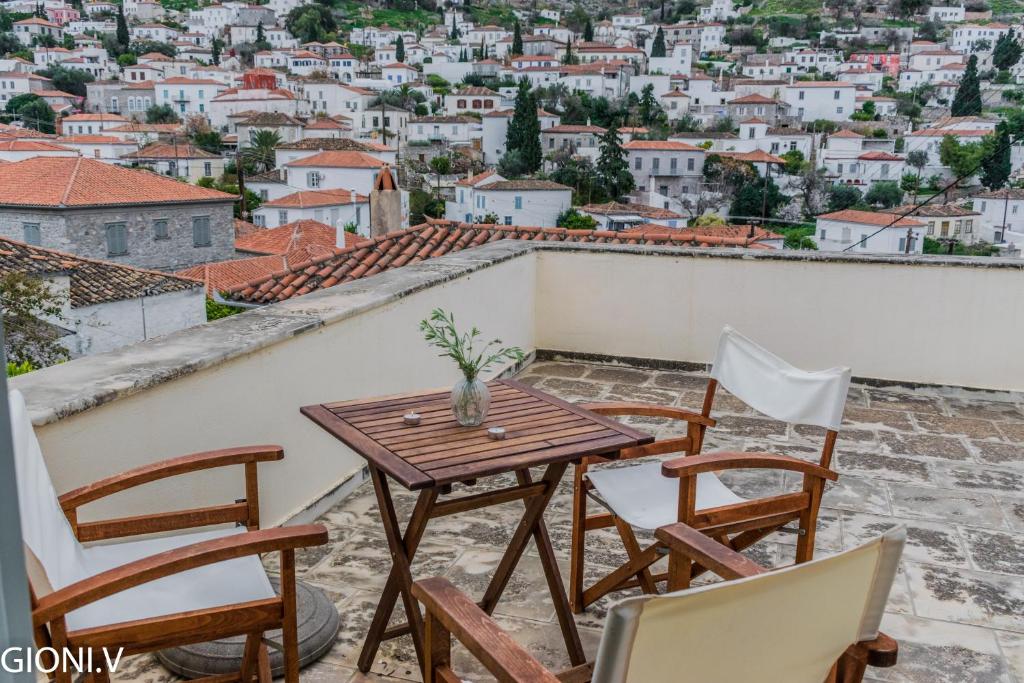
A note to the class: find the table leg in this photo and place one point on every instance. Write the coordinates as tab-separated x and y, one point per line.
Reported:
532	525
399	582
555	586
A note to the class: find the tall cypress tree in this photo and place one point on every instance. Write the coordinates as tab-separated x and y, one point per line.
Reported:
1007	51
612	166
569	57
524	129
588	31
400	49
995	164
261	34
215	48
517	40
968	96
123	37
658	48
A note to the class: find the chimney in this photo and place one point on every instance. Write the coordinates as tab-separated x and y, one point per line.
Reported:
385	204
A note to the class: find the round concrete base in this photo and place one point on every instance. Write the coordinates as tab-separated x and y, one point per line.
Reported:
318	626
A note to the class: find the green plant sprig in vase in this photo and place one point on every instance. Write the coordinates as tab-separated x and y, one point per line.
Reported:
470	397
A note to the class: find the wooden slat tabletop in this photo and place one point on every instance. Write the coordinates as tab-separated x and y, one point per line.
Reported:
539	429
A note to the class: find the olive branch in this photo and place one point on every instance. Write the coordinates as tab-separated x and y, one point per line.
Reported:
439	331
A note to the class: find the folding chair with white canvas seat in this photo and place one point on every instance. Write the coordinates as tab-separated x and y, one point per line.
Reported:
160	591
809	623
687	489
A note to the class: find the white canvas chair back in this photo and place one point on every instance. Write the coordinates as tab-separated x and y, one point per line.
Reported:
786	626
44	527
771	386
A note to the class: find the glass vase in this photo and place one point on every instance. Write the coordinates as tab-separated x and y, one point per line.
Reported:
470	402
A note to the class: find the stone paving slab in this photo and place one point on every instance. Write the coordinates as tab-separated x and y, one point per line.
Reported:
948	463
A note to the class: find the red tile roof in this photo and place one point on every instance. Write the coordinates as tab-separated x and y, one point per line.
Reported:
287	238
63	182
432	239
871	218
304	199
662	145
221	276
339	159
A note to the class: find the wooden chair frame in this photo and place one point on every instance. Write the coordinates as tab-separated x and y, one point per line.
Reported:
251	619
452	613
737	526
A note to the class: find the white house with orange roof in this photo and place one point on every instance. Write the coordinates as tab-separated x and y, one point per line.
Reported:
829	100
14	83
494	131
106	148
671	168
236	100
336	208
333	170
576	139
343	67
675	103
33	29
929	140
968	37
853	159
90	124
18	149
869	232
157	33
396	74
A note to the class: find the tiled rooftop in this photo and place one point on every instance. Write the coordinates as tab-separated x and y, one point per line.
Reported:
948	463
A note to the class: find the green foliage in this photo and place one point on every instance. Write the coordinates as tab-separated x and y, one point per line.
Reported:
909	182
34	112
440	332
995	158
517	39
400	49
865	113
658	46
15	369
123	37
127	59
512	165
422	204
886	194
918	159
842	197
141	47
215	47
208	140
801	237
523	133
161	113
1007	51
31	311
588	31
613	166
262	149
69	80
759	198
794	161
216	310
9	43
649	109
968	95
579	174
571	219
957	248
310	23
570	57
962	159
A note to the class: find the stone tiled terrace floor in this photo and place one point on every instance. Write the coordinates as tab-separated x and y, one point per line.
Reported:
947	463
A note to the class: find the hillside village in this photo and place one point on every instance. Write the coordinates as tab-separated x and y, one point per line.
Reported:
257	152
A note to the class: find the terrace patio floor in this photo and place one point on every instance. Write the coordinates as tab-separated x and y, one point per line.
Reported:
948	463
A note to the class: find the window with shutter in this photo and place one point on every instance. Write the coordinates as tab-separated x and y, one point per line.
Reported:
117	239
201	231
32	234
160	229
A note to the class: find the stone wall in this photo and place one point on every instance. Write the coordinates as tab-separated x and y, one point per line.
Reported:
83	232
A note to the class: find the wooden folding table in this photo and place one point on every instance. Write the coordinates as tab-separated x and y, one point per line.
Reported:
541	430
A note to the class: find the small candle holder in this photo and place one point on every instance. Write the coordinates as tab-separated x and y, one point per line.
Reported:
496	433
411	419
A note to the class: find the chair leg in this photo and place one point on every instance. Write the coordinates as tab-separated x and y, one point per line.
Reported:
579	538
263	674
249	657
809	522
438	649
289	629
629	541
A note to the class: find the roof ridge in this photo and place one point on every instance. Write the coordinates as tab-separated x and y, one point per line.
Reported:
71	182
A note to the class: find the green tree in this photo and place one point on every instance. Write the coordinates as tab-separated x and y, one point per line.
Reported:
37	114
613	166
215	47
123	37
523	133
440	165
31	312
910	183
571	219
261	34
512	165
569	57
588	31
649	109
995	161
9	43
69	80
454	34
886	194
967	101
759	198
795	163
262	149
161	113
209	140
310	23
517	39
865	113
1007	51
19	101
658	47
963	159
842	197
69	41
127	59
400	49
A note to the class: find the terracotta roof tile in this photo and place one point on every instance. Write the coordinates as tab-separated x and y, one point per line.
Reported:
665	145
91	281
311	198
436	238
870	218
58	182
338	159
288	238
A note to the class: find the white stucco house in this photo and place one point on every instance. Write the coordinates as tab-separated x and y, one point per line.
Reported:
869	232
533	203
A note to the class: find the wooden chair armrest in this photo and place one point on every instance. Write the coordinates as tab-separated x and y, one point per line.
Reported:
649	409
174	561
712	462
168	468
707	552
485	640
